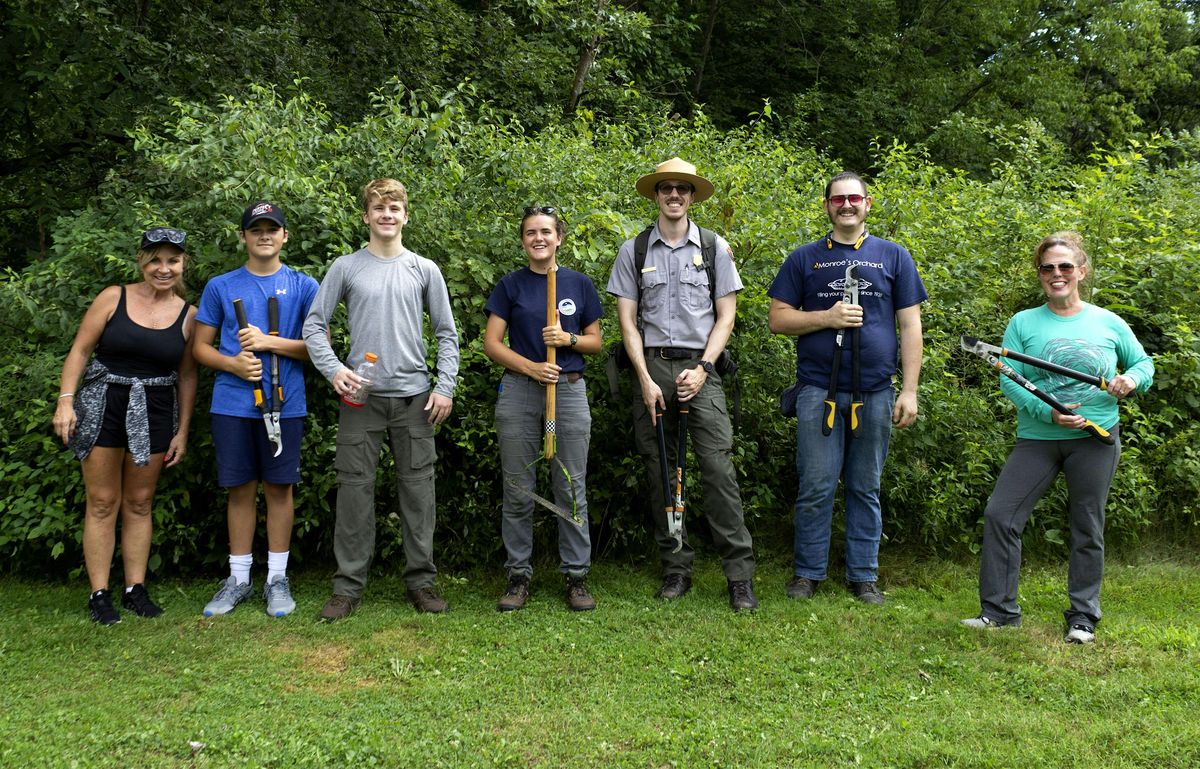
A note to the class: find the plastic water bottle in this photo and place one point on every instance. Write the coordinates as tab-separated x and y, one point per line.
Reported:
366	369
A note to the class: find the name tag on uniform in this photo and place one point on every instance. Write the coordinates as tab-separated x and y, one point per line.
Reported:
648	269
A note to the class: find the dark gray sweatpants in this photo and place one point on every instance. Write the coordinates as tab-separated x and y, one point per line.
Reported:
1032	467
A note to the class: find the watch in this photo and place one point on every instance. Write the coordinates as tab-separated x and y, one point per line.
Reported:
574	339
708	367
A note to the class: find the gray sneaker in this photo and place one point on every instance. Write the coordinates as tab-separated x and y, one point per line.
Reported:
278	595
228	597
987	623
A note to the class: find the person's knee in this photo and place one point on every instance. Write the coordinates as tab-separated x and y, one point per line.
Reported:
102	505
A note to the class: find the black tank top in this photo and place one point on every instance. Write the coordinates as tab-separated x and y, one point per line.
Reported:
128	349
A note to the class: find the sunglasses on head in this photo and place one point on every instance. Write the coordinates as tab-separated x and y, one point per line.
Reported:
1065	268
841	200
535	210
164	235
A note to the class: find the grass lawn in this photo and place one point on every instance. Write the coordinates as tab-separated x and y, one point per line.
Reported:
828	682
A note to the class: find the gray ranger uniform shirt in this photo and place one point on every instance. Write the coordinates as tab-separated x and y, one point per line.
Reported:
676	307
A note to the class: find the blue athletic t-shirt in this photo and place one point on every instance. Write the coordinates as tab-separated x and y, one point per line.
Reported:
813	277
233	396
520	299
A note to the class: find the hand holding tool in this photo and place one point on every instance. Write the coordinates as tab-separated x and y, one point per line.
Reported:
972	345
260	400
849	296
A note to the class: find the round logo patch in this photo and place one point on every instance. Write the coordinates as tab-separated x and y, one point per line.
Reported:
566	307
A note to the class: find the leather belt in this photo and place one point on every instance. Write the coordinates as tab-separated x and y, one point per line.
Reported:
674	353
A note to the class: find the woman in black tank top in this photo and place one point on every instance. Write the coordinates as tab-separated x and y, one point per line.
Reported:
129	416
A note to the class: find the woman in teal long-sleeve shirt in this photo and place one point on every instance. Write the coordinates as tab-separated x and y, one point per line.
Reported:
1073	333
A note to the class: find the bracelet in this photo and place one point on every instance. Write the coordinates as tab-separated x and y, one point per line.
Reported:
66	395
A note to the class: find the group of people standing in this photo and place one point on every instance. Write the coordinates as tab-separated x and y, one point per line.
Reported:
852	300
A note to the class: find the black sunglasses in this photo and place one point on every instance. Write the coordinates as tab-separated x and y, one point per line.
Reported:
534	210
1065	268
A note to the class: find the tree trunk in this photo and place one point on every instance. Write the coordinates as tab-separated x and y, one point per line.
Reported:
705	49
587	57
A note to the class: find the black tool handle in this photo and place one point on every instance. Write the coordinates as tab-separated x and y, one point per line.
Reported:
273	316
662	460
1090	427
681	460
239	310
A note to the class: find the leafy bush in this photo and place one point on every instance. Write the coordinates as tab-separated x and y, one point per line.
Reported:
470	172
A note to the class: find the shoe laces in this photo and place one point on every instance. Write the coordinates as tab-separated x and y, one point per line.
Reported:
278	588
577	587
740	590
516	586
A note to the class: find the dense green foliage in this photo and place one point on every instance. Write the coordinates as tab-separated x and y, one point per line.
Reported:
75	76
635	684
470	170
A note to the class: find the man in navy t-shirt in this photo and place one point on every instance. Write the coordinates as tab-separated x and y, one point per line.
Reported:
806	302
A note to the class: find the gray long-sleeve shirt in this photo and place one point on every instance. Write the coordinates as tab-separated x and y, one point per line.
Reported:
386	300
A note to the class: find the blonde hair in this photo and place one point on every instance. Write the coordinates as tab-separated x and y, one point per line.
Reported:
384	189
1068	239
144	255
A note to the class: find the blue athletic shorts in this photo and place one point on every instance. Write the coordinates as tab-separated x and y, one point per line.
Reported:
244	454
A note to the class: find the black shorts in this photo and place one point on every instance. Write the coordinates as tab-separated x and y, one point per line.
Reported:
160	403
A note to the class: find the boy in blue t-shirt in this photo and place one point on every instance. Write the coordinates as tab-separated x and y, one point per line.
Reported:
247	450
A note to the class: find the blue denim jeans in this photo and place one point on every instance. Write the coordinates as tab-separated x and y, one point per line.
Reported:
820	461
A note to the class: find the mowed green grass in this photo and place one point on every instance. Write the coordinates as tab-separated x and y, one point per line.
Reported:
637	683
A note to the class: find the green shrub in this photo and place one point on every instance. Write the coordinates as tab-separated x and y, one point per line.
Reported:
470	173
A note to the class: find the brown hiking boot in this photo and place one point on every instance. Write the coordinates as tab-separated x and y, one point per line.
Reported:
515	595
339	607
578	597
674	586
426	599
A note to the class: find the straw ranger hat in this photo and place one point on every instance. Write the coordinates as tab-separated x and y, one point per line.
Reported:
675	168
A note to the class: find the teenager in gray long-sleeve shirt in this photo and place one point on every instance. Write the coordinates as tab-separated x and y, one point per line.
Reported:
387	290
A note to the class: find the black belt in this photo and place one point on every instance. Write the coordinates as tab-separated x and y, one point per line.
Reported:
674	353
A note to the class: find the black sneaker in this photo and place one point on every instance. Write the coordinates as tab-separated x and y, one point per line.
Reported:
741	595
101	605
137	600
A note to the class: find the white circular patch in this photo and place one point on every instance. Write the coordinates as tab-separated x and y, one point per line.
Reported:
566	307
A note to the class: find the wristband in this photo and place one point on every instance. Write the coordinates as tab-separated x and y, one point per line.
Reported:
66	395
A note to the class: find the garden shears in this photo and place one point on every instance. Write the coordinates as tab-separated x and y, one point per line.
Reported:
850	285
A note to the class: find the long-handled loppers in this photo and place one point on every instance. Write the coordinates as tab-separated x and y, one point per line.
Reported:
985	351
673	501
849	296
262	401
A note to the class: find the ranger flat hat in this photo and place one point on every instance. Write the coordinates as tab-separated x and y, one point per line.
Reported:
675	168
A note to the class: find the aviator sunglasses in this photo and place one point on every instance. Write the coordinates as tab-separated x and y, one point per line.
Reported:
1065	268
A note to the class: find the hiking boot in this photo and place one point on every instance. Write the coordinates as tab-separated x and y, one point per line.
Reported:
515	595
801	587
1080	634
230	595
101	605
741	595
867	592
578	597
339	607
278	595
987	623
137	600
426	600
674	586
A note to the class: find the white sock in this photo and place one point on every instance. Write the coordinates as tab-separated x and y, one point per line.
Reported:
239	567
276	565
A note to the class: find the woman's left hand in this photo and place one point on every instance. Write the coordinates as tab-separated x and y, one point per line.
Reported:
175	450
554	336
1073	421
1121	385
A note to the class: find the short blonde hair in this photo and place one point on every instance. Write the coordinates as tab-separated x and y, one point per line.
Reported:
1068	239
384	189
